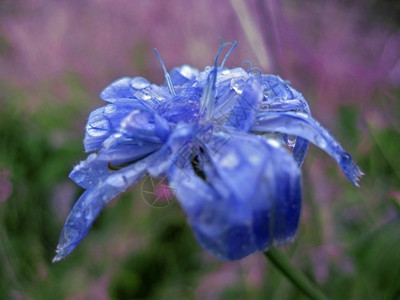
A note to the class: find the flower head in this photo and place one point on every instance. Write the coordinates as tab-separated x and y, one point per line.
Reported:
229	141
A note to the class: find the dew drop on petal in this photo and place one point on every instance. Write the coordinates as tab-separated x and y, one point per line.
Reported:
346	158
229	161
265	106
302	114
140	165
110	108
88	214
146	97
98	127
188	72
112	140
139	83
135	119
236	85
255	159
273	143
291	140
91	157
320	141
116	180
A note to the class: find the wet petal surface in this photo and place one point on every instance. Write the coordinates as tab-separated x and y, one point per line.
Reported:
304	126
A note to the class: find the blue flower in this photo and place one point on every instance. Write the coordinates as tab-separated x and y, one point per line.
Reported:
229	141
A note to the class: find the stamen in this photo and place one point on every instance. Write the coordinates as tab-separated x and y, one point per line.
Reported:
208	98
166	74
235	44
254	69
246	62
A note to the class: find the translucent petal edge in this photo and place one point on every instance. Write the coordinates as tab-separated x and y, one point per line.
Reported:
302	125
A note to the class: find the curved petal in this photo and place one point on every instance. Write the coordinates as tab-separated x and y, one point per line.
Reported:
140	133
145	126
123	88
183	75
273	185
300	150
302	125
182	108
178	147
98	166
88	172
279	96
228	79
92	201
231	219
105	121
238	105
218	227
136	89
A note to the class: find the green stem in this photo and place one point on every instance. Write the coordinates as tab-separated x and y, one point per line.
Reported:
281	262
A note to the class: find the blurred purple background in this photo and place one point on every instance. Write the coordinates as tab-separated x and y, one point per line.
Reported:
335	53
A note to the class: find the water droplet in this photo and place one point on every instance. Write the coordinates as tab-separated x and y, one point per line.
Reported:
139	83
146	97
116	180
273	142
110	108
229	161
135	119
140	166
291	140
236	85
112	140
255	159
88	214
320	141
302	114
98	127
90	158
346	158
188	71
265	105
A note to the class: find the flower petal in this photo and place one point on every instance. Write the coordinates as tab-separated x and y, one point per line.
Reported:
300	150
92	201
238	105
123	88
145	126
218	227
98	166
304	126
182	108
273	187
105	121
140	133
178	147
231	219
279	96
183	75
